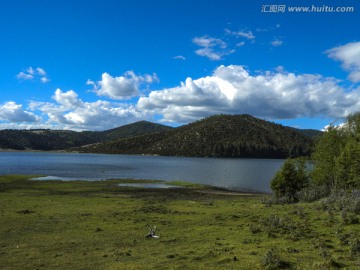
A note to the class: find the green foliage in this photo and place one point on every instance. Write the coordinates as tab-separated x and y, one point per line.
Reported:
335	163
311	133
327	150
348	165
290	179
337	156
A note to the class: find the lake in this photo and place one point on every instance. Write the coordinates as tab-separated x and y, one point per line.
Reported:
236	174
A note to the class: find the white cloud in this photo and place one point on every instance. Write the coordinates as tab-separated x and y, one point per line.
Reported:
276	42
240	44
349	55
212	48
44	80
24	76
30	70
41	71
30	74
68	99
269	28
122	87
12	112
180	57
242	33
70	112
206	41
209	53
232	89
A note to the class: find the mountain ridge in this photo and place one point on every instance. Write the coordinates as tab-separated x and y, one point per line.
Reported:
215	136
46	139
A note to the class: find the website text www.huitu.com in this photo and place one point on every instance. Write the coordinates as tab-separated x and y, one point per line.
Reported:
306	9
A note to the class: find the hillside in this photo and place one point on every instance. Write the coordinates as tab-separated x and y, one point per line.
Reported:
44	139
215	136
311	133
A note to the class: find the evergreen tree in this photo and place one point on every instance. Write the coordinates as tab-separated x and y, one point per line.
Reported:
291	178
348	162
327	150
337	156
348	166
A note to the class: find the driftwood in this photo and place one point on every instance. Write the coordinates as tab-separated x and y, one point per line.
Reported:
152	232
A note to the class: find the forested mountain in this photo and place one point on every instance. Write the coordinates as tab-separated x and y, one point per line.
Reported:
130	130
215	136
44	139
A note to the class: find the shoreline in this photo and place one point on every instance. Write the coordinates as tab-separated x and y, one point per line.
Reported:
142	155
202	188
163	185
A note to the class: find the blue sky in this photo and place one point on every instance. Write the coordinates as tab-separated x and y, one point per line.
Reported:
94	65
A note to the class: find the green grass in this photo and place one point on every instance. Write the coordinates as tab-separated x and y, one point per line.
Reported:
99	225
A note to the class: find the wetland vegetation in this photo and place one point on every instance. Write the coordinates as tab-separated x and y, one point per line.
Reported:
100	225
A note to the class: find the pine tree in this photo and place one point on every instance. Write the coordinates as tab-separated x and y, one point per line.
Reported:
291	178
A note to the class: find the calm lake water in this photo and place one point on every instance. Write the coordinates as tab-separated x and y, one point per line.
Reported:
237	174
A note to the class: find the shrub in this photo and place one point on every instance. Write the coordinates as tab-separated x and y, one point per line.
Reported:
342	200
313	193
355	247
272	260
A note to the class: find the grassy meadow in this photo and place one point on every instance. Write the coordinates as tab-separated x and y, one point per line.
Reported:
99	225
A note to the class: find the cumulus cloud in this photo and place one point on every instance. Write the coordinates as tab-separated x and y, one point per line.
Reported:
122	87
232	89
70	112
212	48
272	95
12	112
349	55
31	74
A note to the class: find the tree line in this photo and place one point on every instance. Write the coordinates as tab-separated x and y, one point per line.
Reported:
334	165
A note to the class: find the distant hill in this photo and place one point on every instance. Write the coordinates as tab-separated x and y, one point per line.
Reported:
44	139
311	133
215	136
130	130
